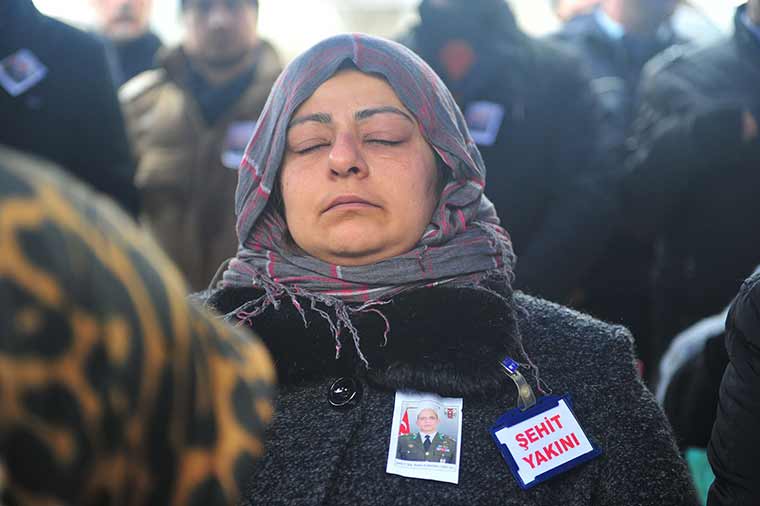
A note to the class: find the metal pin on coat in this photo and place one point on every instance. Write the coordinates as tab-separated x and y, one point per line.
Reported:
525	396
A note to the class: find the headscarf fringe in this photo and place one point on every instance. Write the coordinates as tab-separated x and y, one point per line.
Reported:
275	292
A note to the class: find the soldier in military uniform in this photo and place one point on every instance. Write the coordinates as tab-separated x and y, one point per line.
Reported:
427	445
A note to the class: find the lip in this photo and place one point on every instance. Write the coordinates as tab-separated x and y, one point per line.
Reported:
348	201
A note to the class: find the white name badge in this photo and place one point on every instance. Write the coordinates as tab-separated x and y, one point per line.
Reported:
543	441
484	121
426	437
20	71
236	140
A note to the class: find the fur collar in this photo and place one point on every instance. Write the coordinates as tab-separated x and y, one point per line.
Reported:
447	340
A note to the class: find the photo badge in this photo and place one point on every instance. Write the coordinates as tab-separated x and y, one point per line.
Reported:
20	71
235	142
426	437
484	121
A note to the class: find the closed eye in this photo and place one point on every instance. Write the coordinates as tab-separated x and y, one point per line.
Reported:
309	149
385	142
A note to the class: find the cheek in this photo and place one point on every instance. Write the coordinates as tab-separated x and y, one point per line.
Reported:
297	194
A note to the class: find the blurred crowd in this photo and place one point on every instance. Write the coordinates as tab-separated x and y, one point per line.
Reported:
621	158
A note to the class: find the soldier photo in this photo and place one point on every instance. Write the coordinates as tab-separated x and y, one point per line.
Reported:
427	445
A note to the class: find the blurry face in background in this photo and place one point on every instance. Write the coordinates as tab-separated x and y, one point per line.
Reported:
568	9
643	15
358	179
123	19
658	10
753	10
220	32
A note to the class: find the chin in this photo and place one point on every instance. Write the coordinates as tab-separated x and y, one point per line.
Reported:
223	58
354	256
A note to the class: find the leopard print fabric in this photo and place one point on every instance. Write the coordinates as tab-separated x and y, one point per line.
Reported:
113	389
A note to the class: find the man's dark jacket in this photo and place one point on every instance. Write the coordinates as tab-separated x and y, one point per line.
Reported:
72	116
615	65
545	171
449	341
735	438
129	58
693	180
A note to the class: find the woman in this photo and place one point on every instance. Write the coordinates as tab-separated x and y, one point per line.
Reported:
370	255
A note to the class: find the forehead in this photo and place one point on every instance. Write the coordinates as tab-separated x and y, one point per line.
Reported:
427	410
350	90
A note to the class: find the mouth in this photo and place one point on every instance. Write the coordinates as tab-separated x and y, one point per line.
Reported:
346	202
125	18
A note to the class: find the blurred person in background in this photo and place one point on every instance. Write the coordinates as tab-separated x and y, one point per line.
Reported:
568	9
709	390
125	24
57	100
114	389
693	177
189	121
615	41
537	124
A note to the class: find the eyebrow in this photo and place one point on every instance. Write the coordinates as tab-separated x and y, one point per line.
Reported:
366	113
319	117
324	118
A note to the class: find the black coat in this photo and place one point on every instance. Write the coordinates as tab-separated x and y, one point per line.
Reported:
72	116
449	341
735	440
134	56
693	181
546	172
615	67
691	397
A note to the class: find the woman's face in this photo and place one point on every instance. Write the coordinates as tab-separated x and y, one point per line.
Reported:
358	180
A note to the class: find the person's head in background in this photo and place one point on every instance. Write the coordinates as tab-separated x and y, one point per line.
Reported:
464	41
568	9
122	20
639	16
753	10
220	36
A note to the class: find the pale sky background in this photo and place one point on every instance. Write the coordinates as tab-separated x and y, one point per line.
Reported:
295	25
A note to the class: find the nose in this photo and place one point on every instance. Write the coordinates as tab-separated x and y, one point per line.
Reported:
345	157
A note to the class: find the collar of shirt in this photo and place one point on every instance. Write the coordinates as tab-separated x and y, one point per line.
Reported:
432	436
752	27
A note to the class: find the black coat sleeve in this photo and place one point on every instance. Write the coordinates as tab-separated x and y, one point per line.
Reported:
735	439
583	208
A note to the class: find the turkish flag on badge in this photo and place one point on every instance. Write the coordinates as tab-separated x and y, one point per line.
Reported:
403	427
